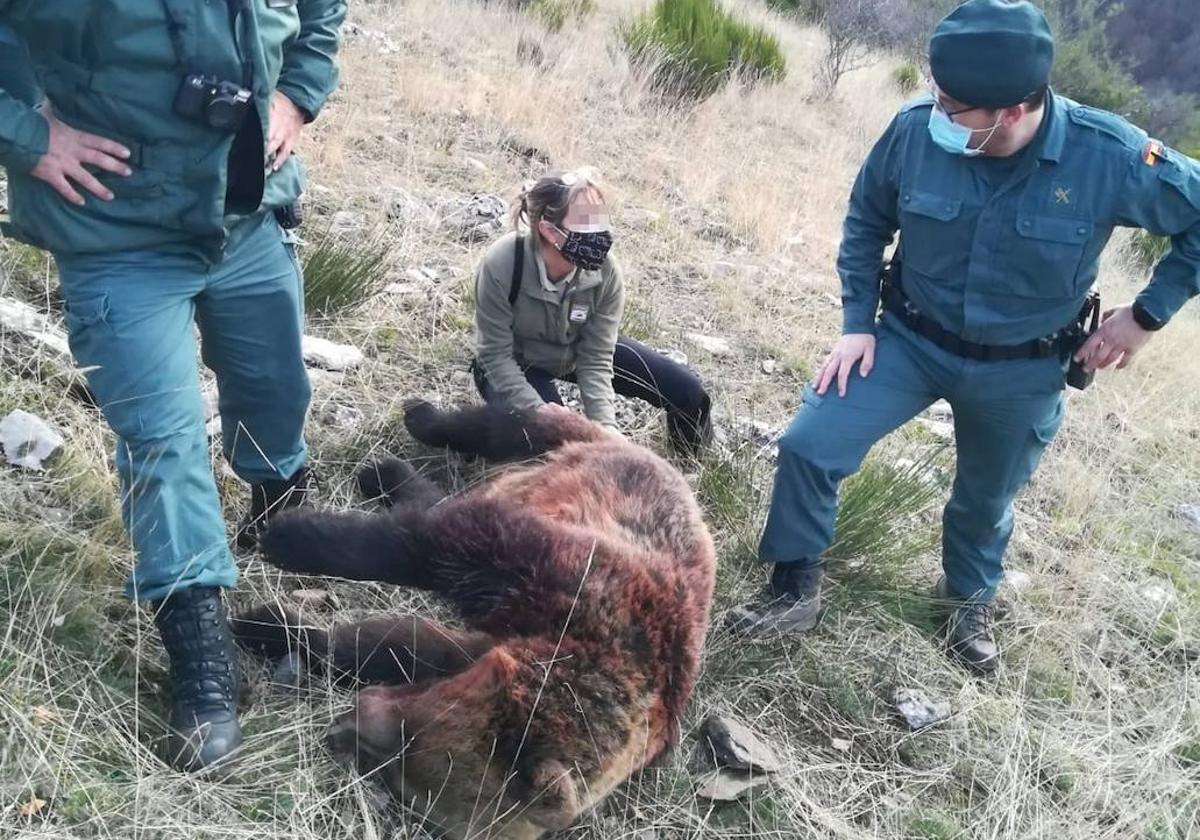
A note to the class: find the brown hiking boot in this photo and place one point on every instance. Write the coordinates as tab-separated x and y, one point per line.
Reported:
792	603
969	634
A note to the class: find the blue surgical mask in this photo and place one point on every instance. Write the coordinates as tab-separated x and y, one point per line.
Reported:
955	138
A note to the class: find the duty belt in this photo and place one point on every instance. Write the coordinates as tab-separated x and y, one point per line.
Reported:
1060	343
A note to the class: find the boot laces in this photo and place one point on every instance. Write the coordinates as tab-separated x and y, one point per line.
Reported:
196	636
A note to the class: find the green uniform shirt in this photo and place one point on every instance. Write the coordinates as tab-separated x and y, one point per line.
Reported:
110	68
1006	257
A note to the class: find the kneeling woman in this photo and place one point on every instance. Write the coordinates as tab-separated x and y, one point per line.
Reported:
548	304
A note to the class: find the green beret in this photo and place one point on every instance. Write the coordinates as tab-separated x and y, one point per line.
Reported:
992	53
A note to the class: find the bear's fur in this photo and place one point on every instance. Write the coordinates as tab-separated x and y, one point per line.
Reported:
585	582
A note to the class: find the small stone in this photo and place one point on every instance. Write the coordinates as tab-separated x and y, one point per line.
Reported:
712	344
347	221
27	440
315	599
477	165
841	744
941	410
918	710
329	355
460	377
476	218
769	366
1017	580
833	300
346	417
411	211
728	785
1159	594
736	747
1191	515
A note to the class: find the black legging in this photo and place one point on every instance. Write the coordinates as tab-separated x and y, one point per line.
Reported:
643	373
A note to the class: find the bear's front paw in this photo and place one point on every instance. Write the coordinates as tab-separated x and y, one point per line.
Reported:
423	421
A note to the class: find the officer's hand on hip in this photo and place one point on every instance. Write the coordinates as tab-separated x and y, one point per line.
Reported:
69	152
1118	339
286	122
851	349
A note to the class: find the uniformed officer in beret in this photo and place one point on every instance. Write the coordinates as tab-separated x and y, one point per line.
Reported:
1004	194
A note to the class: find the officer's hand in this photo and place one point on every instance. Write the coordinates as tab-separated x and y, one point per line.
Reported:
1119	337
286	122
69	151
851	349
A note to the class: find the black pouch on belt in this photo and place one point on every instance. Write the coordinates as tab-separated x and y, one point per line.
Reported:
1089	321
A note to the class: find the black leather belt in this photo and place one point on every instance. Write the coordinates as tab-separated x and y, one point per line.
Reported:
1061	343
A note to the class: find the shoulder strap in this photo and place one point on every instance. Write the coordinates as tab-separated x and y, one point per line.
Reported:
518	265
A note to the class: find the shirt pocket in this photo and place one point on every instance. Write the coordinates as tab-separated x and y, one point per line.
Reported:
934	240
1050	250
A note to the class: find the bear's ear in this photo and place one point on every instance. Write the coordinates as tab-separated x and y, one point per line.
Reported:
552	796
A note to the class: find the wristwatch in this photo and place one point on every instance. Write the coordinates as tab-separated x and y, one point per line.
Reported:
1145	320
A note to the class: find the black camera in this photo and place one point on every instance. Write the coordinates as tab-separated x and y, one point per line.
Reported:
217	104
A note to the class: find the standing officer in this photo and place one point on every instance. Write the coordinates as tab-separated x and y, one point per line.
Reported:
158	170
1004	195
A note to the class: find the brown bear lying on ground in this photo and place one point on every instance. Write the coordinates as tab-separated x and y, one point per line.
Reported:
585	582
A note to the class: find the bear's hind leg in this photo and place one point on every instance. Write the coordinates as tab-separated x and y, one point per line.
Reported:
382	649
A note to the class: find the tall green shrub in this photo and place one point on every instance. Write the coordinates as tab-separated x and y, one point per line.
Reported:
695	47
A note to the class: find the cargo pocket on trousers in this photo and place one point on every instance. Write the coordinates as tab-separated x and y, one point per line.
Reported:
97	351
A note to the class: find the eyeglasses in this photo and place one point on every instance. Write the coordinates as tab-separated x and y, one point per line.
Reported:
937	100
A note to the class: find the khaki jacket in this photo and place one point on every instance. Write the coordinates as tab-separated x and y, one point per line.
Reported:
574	331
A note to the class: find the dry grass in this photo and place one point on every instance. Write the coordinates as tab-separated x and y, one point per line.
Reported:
1091	731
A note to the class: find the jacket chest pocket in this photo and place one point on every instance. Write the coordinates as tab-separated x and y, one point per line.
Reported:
934	239
1049	256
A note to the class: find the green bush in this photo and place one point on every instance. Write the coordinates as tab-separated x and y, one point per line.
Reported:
695	47
342	273
907	78
554	14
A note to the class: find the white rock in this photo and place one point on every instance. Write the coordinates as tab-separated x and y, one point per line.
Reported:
715	345
841	744
1159	594
1190	514
478	165
918	710
941	410
409	210
329	355
735	746
345	416
345	221
727	785
1019	581
27	440
770	366
22	318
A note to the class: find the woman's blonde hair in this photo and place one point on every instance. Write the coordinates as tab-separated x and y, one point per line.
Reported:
550	197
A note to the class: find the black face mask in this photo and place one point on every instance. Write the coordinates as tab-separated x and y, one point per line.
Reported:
587	250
